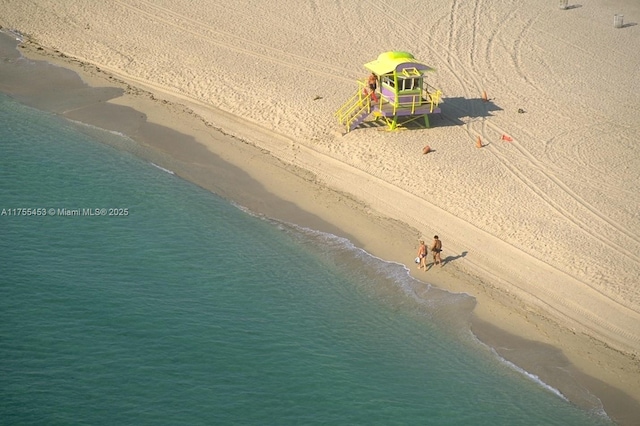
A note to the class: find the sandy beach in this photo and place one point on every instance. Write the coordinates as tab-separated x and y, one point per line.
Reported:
543	230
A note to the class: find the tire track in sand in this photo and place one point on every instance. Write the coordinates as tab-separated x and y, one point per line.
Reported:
471	128
235	43
583	225
586	224
534	162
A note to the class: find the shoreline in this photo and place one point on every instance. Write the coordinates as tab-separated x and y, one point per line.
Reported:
223	163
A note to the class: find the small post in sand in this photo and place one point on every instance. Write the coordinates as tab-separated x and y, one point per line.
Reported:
618	21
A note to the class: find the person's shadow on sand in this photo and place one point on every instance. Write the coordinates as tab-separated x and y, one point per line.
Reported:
448	259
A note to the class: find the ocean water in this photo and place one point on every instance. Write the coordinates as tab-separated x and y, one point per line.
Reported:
130	296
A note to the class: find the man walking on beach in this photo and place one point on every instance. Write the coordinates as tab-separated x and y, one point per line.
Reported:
436	248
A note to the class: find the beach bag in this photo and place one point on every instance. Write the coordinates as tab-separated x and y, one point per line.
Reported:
417	259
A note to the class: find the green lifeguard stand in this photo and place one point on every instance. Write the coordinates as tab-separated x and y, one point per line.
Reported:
403	96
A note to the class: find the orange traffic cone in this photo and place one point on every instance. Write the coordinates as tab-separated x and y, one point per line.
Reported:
426	149
478	142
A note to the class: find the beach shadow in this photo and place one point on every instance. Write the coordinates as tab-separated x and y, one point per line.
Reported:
630	24
52	88
373	123
446	260
452	258
454	112
572	6
458	111
403	124
549	364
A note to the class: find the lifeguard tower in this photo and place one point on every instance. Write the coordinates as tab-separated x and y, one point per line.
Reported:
404	95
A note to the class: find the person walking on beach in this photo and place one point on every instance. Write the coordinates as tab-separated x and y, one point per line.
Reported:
436	248
422	254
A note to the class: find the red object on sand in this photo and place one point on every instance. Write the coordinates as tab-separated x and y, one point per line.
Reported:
506	138
426	149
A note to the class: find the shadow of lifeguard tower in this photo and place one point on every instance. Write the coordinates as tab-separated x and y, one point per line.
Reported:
404	95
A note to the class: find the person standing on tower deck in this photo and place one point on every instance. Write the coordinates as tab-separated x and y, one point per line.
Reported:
372	82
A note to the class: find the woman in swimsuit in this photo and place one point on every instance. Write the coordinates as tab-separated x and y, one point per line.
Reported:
422	254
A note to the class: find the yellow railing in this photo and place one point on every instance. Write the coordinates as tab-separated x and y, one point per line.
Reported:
433	95
358	104
415	101
410	72
434	99
354	100
361	103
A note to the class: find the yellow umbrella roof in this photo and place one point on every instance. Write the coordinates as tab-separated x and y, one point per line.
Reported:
387	62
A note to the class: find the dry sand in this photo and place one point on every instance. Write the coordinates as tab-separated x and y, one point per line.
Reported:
544	231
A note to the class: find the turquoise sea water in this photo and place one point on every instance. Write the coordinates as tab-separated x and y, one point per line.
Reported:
185	309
